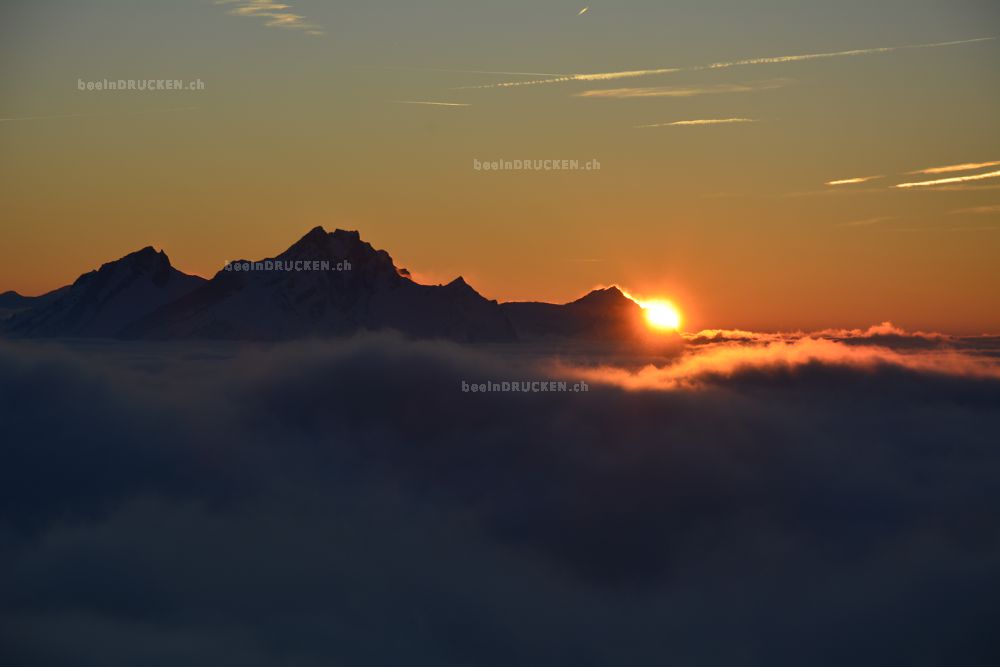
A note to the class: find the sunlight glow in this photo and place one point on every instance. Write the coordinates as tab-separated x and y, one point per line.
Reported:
662	315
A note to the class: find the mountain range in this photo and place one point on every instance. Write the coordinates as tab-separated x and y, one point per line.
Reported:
325	284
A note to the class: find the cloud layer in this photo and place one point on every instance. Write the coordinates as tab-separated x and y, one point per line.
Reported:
825	501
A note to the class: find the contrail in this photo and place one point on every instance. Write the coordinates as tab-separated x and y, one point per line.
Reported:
682	91
838	54
601	76
967	166
724	65
472	71
853	181
954	179
701	121
433	104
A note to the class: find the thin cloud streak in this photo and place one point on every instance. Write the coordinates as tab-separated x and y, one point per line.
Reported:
867	222
838	54
967	166
771	60
603	76
685	91
276	15
472	71
948	181
978	210
853	181
701	121
95	115
431	104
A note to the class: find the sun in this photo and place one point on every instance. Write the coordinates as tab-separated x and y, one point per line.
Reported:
662	315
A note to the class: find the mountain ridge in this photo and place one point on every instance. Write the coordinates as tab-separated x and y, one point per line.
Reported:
348	286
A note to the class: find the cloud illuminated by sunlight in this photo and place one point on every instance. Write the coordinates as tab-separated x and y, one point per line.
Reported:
433	104
721	360
660	314
701	121
953	179
967	166
853	181
276	15
686	91
770	60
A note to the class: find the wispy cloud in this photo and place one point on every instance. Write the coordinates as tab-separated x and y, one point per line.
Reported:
275	15
601	76
978	210
430	104
770	60
966	166
471	71
701	121
948	181
686	91
866	222
853	181
583	11
95	115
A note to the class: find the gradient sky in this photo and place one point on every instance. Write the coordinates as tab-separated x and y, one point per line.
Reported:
301	124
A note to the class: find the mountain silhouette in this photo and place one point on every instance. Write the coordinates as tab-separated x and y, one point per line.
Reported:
325	284
604	314
102	302
358	289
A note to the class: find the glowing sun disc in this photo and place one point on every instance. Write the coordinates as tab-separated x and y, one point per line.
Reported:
662	315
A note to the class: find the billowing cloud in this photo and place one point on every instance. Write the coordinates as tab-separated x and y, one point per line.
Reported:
274	14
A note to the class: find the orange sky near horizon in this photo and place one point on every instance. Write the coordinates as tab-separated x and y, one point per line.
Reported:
757	186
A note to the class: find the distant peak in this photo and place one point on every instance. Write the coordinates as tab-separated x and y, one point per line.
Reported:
314	235
143	255
319	235
459	285
605	295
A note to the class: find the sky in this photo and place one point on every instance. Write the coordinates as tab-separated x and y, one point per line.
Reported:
783	211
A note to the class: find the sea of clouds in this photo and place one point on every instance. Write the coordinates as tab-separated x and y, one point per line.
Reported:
779	499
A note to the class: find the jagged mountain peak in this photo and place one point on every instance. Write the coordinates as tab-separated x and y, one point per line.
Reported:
604	296
103	301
